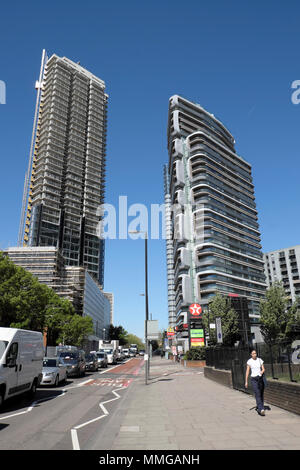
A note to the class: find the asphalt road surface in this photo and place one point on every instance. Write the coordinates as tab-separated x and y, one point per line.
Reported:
70	416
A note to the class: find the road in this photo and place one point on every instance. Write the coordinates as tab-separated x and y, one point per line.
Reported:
68	417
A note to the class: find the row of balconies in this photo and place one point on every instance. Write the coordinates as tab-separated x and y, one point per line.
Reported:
236	193
236	182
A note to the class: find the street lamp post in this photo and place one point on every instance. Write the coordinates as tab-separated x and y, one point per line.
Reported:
146	306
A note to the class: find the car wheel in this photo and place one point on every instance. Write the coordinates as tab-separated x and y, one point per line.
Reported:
1	398
32	391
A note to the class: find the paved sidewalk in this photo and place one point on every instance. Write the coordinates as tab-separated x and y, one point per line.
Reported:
181	409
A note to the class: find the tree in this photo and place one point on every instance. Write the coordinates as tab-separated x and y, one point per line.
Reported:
155	345
132	339
118	333
292	330
74	329
220	307
274	314
25	303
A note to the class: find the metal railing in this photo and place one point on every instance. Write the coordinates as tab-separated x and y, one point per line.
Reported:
281	360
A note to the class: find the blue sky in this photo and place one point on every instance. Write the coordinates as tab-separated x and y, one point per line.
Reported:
237	59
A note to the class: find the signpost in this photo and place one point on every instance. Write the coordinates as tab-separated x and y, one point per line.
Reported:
197	337
196	327
219	330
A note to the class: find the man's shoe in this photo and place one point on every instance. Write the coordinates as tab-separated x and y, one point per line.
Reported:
261	413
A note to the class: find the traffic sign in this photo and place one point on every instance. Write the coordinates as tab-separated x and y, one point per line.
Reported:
195	310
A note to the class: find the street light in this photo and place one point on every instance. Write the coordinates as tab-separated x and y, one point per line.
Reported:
146	357
104	333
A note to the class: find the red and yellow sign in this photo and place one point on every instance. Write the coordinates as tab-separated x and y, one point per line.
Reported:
195	342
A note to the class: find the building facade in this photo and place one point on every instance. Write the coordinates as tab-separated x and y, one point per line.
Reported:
284	266
215	231
110	297
73	283
169	251
65	182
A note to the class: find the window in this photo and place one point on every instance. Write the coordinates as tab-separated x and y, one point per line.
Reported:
12	354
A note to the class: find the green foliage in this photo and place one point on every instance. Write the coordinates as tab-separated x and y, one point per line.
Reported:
293	324
274	315
155	345
195	354
132	339
220	307
118	333
74	329
27	304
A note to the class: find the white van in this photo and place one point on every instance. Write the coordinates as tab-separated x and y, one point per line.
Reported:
21	362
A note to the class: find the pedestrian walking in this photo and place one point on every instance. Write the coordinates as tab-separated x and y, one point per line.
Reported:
256	366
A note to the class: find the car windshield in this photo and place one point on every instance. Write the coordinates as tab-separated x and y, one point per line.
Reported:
90	357
70	358
108	351
3	346
101	355
49	363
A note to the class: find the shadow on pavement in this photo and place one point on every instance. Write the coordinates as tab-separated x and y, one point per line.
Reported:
20	402
3	426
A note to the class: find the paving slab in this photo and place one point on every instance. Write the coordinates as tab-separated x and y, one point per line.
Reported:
193	412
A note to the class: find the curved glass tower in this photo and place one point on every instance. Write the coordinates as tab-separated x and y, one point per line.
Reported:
219	248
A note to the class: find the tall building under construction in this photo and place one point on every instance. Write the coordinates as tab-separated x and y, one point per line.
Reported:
65	180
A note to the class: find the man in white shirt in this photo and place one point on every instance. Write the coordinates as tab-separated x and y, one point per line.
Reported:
256	366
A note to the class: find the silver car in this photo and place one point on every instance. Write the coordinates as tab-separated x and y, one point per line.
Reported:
54	371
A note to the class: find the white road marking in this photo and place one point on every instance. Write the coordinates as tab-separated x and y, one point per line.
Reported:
85	382
30	408
74	434
75	439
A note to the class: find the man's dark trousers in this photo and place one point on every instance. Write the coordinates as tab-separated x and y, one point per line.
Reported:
258	387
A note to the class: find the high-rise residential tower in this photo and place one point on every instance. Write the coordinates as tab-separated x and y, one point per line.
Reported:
169	250
215	231
65	182
284	266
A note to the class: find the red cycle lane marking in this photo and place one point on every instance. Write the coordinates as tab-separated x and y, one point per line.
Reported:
110	382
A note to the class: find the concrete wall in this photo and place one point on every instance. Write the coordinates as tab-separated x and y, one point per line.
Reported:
223	377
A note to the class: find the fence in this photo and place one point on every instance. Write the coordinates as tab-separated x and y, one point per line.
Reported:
281	361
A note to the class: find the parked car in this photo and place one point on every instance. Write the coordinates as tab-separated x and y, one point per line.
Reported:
91	362
101	359
142	352
54	371
75	362
21	362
